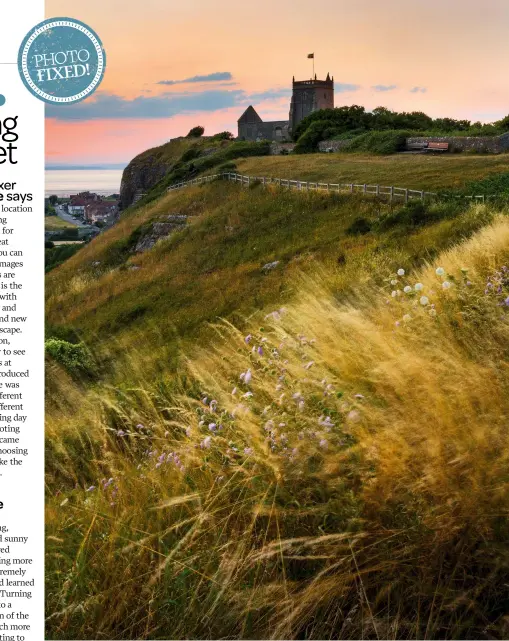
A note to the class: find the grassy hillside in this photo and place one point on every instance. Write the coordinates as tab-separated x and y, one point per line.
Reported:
108	294
401	170
337	469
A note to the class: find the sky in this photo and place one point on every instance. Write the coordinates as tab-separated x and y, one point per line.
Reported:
173	65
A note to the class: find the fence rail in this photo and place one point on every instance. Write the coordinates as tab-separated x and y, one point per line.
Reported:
381	191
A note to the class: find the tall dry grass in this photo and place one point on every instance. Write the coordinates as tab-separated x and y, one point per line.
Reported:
340	472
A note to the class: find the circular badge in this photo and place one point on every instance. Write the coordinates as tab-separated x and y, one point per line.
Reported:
61	61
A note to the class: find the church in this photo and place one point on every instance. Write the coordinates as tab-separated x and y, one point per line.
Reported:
307	96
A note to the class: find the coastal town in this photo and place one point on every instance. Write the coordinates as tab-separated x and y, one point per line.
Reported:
70	222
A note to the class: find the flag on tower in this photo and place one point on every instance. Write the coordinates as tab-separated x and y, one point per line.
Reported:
311	55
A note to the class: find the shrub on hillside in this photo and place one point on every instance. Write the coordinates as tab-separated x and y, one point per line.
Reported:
223	135
190	154
75	358
417	213
196	132
56	255
379	142
359	227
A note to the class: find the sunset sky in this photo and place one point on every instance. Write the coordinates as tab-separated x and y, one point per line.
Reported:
173	65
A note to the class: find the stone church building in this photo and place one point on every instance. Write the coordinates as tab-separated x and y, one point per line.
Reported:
307	96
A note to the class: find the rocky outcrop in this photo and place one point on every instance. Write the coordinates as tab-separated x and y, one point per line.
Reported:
160	229
140	178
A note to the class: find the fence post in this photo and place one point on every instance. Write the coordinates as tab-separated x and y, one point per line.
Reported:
391	194
378	190
406	195
351	188
364	189
422	195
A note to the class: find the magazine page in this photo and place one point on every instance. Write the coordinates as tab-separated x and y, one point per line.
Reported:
21	339
254	385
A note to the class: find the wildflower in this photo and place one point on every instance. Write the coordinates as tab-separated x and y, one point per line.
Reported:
247	377
397	323
394	281
324	444
358	396
446	285
424	300
247	338
248	451
407	289
205	444
401	272
301	406
90	489
212	427
234	391
407	318
440	271
140	426
506	302
394	293
247	395
260	351
121	433
418	287
309	365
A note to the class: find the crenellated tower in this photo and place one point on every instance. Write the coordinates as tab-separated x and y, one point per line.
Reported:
309	96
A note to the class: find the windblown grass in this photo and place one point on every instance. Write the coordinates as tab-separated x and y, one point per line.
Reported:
339	472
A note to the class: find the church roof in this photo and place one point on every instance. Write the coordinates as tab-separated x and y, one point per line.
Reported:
250	116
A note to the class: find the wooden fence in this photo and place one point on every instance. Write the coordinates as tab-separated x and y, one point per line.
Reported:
401	194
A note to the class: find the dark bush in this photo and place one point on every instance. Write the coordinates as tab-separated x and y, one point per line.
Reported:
196	132
190	154
359	227
223	135
379	142
416	214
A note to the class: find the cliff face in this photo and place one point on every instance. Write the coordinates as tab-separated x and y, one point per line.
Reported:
138	178
149	167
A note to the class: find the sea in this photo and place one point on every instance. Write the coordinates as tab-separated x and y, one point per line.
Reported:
64	182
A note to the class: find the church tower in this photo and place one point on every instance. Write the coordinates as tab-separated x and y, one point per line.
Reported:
308	96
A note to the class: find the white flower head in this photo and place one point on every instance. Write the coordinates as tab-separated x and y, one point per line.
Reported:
419	287
440	271
424	300
446	285
401	272
407	289
394	293
407	318
394	281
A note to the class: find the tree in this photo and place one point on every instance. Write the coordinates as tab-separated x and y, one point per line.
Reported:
223	135
196	132
53	200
